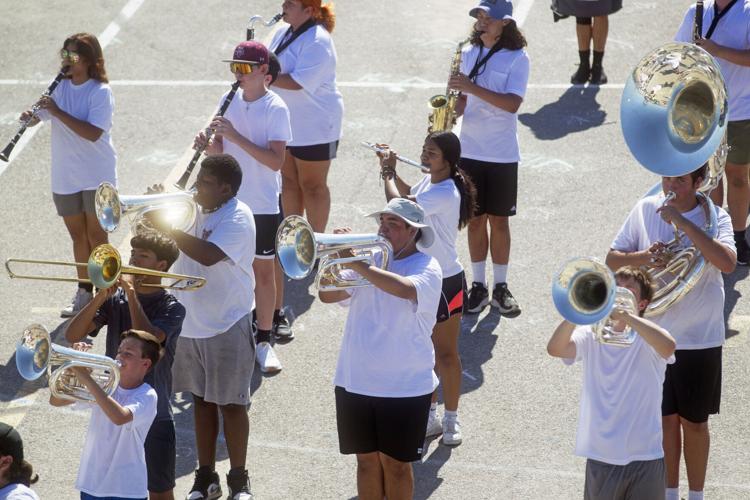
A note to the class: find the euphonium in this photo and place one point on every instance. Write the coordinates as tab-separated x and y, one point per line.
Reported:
36	354
443	106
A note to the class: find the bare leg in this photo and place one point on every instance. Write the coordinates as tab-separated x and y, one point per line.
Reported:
398	478
697	442
76	225
599	32
278	277
447	360
236	430
313	179
672	443
738	194
291	193
164	495
206	431
369	477
94	232
265	291
717	195
583	34
478	238
499	239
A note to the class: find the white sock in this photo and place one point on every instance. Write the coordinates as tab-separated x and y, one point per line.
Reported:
672	494
478	272
695	495
500	273
451	415
433	410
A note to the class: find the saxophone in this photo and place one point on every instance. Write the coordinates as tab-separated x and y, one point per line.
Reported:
443	106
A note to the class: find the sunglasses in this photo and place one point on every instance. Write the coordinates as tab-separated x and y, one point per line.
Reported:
242	68
71	56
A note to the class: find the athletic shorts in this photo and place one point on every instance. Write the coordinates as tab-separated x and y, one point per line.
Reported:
315	152
217	369
266	226
76	203
692	385
160	456
635	481
86	496
738	138
496	183
393	426
452	297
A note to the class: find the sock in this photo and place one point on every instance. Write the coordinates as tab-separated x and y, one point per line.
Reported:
451	415
672	494
598	56
478	271
500	273
86	286
739	236
276	315
695	495
205	469
584	55
263	336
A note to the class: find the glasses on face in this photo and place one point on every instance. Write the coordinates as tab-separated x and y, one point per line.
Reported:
71	56
241	68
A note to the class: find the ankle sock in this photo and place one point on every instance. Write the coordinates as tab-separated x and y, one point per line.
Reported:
263	336
695	495
478	272
672	494
598	56
451	415
499	273
583	56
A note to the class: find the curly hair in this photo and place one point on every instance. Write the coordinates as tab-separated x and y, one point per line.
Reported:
511	38
323	14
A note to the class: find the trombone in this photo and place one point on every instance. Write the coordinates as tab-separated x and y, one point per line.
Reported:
104	267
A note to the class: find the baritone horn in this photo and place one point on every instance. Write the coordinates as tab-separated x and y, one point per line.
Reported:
178	209
104	267
298	247
585	292
257	18
36	354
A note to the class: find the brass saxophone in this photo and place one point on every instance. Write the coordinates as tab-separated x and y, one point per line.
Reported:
443	106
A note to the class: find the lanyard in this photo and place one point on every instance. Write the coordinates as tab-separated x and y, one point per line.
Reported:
481	62
287	40
717	16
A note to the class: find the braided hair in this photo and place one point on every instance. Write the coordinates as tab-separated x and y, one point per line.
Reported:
450	146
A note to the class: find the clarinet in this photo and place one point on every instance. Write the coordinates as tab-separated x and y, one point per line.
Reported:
698	22
209	134
5	154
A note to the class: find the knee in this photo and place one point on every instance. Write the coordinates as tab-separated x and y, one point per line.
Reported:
264	272
694	427
499	224
737	178
315	188
477	223
368	462
447	358
395	468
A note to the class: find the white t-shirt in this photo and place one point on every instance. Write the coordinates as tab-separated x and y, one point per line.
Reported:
620	413
261	121
387	346
441	203
489	133
317	109
113	461
697	320
77	163
228	294
17	491
733	31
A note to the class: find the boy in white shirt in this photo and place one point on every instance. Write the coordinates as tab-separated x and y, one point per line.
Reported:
113	461
619	426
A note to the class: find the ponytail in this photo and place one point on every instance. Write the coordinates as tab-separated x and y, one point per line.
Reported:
22	473
468	196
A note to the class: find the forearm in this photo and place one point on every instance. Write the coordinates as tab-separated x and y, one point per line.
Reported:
267	157
617	259
117	414
201	251
80	127
560	344
396	188
140	321
713	251
80	325
506	102
333	296
55	401
734	56
391	283
284	81
654	335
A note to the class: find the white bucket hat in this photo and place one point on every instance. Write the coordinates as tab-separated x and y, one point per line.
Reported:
412	214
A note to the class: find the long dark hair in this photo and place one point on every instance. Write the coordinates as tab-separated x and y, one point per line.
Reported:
511	38
87	46
21	472
450	146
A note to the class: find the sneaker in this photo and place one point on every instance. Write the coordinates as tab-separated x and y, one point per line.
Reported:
80	299
504	301
206	485
478	298
239	486
598	77
581	75
451	432
282	328
743	253
266	358
434	427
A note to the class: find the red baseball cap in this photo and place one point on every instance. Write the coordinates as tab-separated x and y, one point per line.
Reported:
250	52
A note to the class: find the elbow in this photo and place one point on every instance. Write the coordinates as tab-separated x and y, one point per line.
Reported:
552	350
93	137
611	260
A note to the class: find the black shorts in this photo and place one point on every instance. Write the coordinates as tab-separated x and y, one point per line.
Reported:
452	297
160	456
266	226
315	152
496	183
394	426
692	385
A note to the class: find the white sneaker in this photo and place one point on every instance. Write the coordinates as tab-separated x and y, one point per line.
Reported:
80	299
266	358
434	427
451	432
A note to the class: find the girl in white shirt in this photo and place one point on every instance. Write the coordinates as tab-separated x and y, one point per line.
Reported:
447	198
80	110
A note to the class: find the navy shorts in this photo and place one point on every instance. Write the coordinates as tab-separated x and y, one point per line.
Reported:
315	152
161	450
692	384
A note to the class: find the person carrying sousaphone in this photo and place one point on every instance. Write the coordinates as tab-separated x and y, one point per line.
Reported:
692	386
384	377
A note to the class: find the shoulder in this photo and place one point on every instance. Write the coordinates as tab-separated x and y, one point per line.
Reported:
241	213
275	101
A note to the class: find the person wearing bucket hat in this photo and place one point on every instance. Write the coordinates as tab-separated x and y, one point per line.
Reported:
592	27
255	130
16	474
384	376
448	199
492	80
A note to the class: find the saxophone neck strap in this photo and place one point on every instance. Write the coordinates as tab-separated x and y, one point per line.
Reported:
480	63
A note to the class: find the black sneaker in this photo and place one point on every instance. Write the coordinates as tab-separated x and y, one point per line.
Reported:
743	253
281	327
239	486
206	485
582	75
504	301
598	77
478	298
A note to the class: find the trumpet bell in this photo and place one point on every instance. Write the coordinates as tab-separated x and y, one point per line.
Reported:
584	291
674	109
33	352
295	247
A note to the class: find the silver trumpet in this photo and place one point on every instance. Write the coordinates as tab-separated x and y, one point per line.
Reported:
298	247
402	159
251	24
36	354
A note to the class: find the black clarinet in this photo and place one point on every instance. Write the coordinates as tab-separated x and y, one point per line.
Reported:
5	155
698	22
209	134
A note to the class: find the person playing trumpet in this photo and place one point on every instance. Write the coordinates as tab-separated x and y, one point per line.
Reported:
621	443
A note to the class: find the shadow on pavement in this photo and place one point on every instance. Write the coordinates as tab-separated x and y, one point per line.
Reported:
475	345
732	296
575	111
426	480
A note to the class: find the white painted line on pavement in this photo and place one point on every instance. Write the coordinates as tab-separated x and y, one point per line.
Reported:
521	11
469	376
105	38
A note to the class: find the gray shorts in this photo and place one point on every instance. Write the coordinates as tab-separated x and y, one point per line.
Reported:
217	369
634	481
74	204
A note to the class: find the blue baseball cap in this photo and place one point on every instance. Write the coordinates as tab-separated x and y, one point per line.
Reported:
496	9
